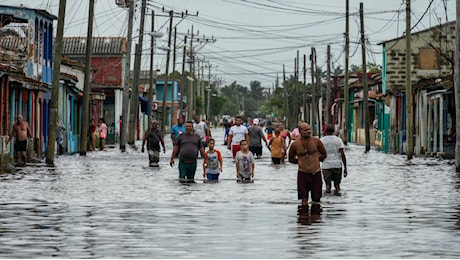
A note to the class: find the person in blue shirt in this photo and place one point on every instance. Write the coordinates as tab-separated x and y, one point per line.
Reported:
177	130
227	131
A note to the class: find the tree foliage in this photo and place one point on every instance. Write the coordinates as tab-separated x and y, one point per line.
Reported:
370	67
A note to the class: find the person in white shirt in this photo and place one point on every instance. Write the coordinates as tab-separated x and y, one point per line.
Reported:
237	133
202	130
332	165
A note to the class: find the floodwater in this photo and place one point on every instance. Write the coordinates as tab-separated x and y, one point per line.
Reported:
112	205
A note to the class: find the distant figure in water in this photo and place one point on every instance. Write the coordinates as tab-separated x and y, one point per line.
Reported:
154	138
244	161
213	167
332	165
188	145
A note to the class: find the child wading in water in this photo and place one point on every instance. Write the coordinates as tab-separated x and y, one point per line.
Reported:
276	146
214	165
244	161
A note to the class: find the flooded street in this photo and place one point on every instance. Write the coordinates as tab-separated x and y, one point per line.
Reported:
112	205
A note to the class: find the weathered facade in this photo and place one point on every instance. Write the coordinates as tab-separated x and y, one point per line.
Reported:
107	63
26	51
431	76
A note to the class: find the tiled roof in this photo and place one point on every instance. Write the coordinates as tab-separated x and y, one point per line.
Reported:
76	46
14	43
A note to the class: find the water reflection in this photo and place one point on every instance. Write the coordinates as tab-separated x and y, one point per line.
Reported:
308	217
112	205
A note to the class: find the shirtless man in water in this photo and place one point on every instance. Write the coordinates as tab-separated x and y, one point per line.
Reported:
308	151
21	131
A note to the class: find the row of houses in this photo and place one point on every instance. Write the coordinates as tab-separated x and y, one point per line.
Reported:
26	62
432	65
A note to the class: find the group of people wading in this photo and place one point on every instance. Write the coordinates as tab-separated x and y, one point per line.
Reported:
245	143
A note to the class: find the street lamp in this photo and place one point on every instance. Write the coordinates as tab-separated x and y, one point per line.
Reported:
154	34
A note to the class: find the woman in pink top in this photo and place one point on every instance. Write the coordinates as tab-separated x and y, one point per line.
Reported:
102	133
296	133
284	133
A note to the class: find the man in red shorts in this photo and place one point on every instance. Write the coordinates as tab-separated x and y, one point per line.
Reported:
308	152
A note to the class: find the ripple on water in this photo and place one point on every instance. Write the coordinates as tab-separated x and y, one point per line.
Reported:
112	205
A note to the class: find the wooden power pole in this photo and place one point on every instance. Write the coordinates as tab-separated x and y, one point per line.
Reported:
457	90
165	86
409	125
173	112
285	103
365	88
135	87
328	87
183	80
88	76
51	145
345	84
190	99
152	72
125	102
314	107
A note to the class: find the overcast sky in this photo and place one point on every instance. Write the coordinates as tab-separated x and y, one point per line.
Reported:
254	38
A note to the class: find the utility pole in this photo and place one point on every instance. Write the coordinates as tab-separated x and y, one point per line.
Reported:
409	125
197	87
51	145
345	84
173	113
457	90
305	117
365	88
152	81
314	107
88	76
328	87
296	88
202	88
165	86
125	109
318	88
208	107
285	105
190	87
135	87
182	85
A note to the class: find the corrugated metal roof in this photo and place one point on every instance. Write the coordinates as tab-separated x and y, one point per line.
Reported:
101	46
